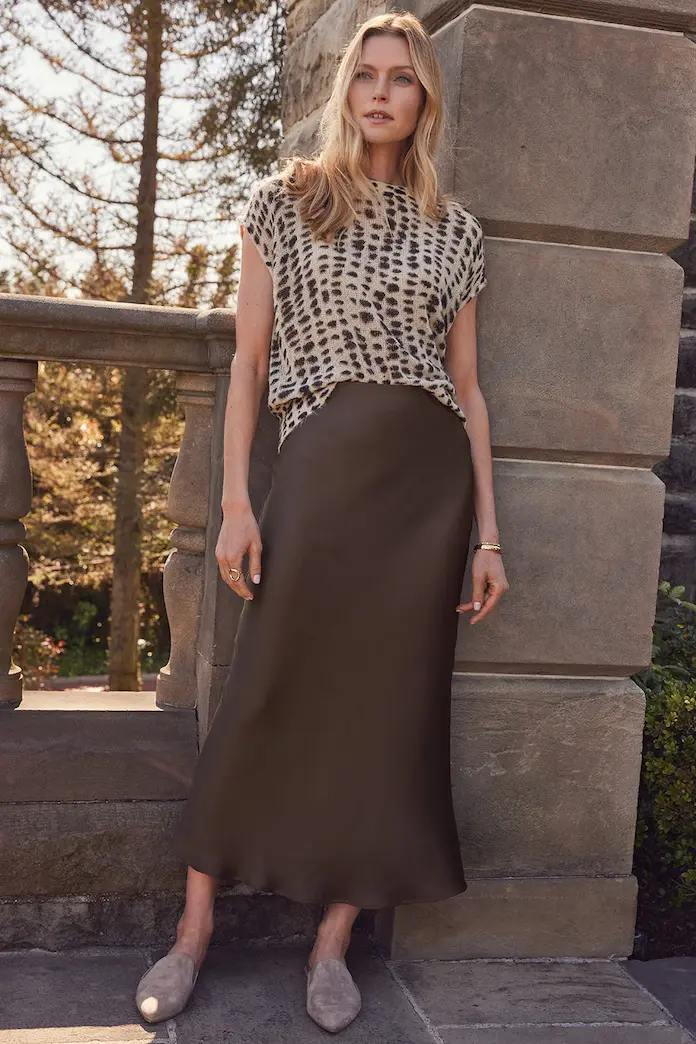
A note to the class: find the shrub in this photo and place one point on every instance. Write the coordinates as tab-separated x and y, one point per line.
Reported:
666	827
36	653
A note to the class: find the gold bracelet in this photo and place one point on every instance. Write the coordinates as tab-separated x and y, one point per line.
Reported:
485	546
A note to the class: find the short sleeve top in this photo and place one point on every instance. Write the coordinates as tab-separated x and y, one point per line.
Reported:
375	305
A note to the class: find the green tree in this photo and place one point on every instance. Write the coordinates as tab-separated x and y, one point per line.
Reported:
172	108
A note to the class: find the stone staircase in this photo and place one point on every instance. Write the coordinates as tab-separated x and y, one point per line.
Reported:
678	471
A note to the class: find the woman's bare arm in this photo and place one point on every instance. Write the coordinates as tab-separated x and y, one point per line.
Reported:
248	371
460	363
489	582
239	533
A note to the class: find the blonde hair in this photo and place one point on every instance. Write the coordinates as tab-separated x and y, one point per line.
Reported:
330	183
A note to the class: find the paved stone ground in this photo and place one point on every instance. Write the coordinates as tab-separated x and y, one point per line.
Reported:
257	996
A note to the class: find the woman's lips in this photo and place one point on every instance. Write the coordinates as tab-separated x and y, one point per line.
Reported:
378	119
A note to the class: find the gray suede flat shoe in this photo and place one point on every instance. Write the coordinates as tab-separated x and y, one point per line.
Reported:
166	987
333	999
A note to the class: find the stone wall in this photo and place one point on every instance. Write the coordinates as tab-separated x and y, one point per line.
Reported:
572	132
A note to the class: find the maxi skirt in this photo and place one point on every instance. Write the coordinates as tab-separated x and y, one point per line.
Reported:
325	773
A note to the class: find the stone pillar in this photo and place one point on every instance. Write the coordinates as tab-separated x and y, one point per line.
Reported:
571	137
17	379
189	494
221	606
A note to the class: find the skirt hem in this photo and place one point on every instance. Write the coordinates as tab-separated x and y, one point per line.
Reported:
321	898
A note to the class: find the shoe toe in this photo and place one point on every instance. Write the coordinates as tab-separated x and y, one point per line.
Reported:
333	999
166	987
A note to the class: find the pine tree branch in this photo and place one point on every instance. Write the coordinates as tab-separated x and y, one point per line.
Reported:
63	178
39	265
82	48
205	52
49	226
85	132
56	62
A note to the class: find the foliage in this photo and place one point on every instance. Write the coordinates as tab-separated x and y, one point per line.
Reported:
674	638
36	653
666	828
72	430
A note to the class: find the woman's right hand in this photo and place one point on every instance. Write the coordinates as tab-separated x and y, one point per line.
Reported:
239	535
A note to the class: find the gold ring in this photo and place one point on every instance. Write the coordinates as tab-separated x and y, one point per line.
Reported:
237	571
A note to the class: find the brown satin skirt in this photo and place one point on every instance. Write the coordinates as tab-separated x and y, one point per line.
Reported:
325	773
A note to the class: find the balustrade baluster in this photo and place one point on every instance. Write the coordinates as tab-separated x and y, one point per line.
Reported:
17	380
187	505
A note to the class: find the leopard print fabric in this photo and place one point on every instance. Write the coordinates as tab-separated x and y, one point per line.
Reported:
376	305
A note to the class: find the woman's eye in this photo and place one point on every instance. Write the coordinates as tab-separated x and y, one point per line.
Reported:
401	76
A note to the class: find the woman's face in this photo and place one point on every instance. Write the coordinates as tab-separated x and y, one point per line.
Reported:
385	79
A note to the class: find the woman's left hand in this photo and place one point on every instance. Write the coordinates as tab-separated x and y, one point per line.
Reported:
489	583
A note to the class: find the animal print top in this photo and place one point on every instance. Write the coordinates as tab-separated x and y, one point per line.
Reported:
376	305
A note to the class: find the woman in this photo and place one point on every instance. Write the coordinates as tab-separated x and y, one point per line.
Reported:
325	775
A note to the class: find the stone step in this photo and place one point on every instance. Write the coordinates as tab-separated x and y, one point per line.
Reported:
96	746
87	858
93	784
678	562
686	366
678	470
256	995
689	308
685	253
684	416
680	513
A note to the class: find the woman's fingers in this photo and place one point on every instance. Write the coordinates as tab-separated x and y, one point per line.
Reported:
488	586
239	536
491	598
239	586
255	549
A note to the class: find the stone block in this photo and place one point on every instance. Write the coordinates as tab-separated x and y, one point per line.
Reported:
311	59
302	138
558	132
302	15
578	351
516	917
88	847
136	753
545	773
675	15
517	992
582	550
150	919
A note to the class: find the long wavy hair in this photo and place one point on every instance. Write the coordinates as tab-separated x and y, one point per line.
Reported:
330	184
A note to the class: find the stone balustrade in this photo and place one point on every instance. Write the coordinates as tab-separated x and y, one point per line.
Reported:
199	346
